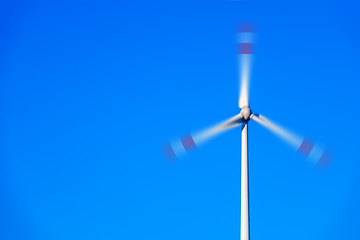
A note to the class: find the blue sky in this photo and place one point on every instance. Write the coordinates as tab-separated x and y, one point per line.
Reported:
90	90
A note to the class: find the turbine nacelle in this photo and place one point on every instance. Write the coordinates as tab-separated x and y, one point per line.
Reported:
245	113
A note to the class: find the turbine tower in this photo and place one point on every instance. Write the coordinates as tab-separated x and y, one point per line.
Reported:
316	153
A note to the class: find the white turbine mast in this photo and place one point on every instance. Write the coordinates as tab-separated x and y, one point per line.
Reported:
175	149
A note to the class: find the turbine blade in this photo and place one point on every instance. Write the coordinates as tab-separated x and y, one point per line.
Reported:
291	138
245	45
315	152
186	144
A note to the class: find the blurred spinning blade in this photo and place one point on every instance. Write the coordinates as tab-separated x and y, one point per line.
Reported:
175	149
317	154
245	45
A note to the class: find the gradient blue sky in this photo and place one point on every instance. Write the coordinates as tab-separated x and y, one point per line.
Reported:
90	89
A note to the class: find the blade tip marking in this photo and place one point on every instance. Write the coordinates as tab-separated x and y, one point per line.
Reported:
246	27
168	152
245	48
188	143
306	147
325	159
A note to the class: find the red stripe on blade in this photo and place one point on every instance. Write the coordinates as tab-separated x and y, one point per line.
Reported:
246	27
168	152
245	48
306	147
325	159
188	143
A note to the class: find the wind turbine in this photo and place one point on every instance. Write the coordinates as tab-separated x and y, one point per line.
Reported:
317	154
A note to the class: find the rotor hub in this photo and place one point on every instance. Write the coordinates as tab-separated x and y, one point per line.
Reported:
245	113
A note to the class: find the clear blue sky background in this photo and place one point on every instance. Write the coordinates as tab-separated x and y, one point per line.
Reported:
90	89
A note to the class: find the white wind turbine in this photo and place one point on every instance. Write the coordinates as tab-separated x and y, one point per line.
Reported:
317	154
